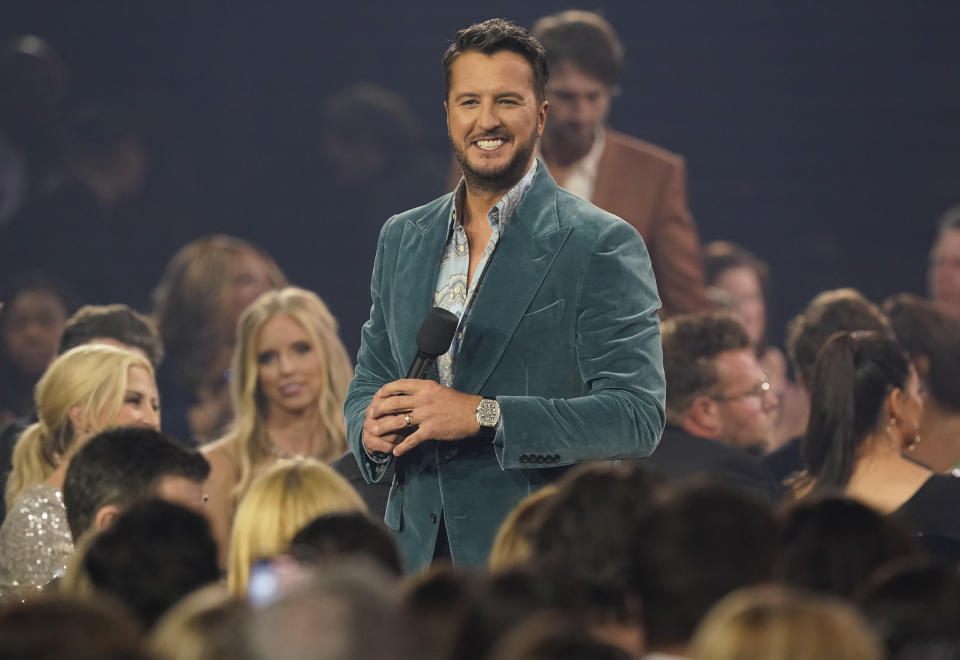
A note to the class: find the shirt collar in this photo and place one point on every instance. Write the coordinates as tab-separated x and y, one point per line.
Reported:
503	210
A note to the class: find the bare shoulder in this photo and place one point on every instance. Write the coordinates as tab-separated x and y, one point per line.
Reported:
223	458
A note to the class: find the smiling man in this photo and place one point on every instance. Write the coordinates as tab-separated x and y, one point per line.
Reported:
556	358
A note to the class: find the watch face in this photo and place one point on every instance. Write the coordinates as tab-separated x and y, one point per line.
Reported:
488	412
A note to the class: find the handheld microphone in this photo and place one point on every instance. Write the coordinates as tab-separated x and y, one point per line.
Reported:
433	340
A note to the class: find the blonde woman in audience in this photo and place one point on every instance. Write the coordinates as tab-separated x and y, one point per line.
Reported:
513	544
202	626
768	623
85	391
204	290
277	506
290	375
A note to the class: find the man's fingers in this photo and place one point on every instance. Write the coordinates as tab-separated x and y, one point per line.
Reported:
409	443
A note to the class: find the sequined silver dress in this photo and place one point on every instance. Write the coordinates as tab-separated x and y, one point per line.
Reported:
35	541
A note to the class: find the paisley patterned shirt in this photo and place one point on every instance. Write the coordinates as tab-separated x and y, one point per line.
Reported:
453	292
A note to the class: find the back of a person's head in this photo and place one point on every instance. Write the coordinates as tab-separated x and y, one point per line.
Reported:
693	549
932	339
120	466
337	536
585	39
153	555
582	540
118	323
551	637
830	312
835	544
777	624
914	605
277	506
91	378
513	543
64	628
202	626
345	612
690	344
852	377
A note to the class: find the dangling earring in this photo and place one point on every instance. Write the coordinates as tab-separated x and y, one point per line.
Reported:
894	445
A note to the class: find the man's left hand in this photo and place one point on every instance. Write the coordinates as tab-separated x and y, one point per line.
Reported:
440	413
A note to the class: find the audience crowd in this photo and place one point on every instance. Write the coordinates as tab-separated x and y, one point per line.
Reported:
799	505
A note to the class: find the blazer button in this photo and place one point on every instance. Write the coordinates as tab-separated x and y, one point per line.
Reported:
556	458
433	518
539	458
523	458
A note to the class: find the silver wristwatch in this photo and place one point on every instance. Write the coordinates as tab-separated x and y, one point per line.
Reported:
488	414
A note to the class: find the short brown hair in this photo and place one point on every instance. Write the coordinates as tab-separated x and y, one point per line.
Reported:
690	343
493	36
584	38
117	322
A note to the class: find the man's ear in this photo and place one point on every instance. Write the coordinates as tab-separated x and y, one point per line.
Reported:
105	516
702	418
542	117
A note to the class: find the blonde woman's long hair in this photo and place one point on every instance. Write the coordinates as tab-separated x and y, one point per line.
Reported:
249	432
93	377
280	504
775	623
513	544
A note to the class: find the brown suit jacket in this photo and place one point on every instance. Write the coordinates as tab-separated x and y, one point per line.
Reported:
646	186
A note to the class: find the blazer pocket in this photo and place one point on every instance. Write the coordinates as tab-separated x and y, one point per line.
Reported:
547	315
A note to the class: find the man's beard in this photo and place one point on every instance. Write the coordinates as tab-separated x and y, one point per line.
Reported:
499	180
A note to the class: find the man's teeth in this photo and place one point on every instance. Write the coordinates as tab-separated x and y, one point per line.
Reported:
489	145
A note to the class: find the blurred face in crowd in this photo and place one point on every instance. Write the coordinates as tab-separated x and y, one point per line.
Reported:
32	329
290	366
247	277
746	405
945	272
180	490
579	104
141	403
742	289
493	118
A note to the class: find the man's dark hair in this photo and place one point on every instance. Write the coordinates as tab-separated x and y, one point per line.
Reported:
121	466
153	555
926	332
585	39
830	312
36	282
339	535
949	220
117	322
694	549
493	36
835	544
690	343
582	540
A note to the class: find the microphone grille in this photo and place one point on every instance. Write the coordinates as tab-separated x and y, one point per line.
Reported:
436	332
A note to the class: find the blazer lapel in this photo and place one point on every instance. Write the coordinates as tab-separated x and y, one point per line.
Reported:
519	265
421	248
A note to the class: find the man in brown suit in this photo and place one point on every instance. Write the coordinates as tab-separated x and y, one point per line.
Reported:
635	180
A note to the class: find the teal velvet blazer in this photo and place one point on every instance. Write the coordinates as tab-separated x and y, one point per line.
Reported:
563	333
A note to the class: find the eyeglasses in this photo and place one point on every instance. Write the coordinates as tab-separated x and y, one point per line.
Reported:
760	391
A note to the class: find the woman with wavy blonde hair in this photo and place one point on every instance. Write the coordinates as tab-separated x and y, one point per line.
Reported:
289	377
277	506
84	391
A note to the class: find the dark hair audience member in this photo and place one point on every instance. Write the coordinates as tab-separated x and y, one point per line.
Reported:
336	536
932	341
34	312
585	39
944	264
154	554
118	325
692	550
121	466
834	545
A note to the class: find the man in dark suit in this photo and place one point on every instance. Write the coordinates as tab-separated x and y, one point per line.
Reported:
556	358
720	407
635	180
